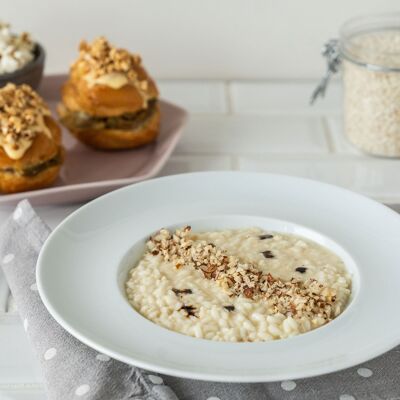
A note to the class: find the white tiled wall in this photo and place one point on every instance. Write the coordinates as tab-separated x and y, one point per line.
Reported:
365	176
178	164
283	97
270	127
340	143
256	134
198	97
224	39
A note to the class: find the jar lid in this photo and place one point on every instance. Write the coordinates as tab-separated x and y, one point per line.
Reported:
372	41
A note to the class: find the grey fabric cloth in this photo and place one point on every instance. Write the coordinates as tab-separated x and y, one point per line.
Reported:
72	370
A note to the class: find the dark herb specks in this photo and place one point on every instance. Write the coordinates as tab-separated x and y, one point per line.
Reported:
190	310
182	291
265	236
268	254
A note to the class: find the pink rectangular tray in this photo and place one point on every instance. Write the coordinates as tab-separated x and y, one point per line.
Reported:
88	173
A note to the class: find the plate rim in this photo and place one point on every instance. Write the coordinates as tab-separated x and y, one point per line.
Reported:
221	377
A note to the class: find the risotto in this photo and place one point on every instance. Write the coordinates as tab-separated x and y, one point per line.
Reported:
241	285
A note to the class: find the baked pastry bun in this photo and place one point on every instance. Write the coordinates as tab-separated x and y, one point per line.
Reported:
109	101
31	153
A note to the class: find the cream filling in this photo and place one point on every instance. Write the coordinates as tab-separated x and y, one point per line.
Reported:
17	149
117	80
113	80
15	152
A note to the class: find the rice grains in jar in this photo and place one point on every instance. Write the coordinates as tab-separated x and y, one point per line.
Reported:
369	52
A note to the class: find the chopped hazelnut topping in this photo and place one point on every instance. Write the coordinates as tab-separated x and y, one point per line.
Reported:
100	59
21	118
291	298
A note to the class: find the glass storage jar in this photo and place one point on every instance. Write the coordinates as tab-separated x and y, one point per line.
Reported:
368	51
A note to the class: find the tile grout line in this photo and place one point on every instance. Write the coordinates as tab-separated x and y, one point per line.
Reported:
228	97
267	113
235	165
274	156
4	293
328	135
11	317
291	113
22	386
10	311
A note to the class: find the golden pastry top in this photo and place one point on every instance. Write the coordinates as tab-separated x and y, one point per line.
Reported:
22	113
104	64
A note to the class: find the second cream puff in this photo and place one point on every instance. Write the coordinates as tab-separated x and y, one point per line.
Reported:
31	153
109	101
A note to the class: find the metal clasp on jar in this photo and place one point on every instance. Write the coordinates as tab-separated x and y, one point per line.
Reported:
333	60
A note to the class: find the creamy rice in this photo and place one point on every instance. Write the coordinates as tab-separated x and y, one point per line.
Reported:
180	298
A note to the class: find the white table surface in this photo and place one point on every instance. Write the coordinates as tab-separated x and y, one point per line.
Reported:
236	125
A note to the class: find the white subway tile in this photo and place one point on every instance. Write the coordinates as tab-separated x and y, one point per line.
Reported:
284	97
22	392
18	364
339	140
179	164
373	177
196	96
255	134
11	306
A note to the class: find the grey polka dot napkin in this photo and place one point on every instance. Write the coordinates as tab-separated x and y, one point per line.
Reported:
71	370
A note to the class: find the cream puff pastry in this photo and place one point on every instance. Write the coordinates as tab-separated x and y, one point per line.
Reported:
109	101
31	153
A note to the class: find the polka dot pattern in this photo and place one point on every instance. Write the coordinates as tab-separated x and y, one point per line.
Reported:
102	357
364	372
82	390
347	397
8	258
157	380
50	353
288	385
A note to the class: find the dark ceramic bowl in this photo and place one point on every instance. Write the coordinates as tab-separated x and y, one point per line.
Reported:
31	73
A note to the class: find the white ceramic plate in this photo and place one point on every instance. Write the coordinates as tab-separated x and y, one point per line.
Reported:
83	264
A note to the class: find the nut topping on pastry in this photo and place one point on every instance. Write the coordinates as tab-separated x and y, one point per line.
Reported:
104	64
109	101
22	113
